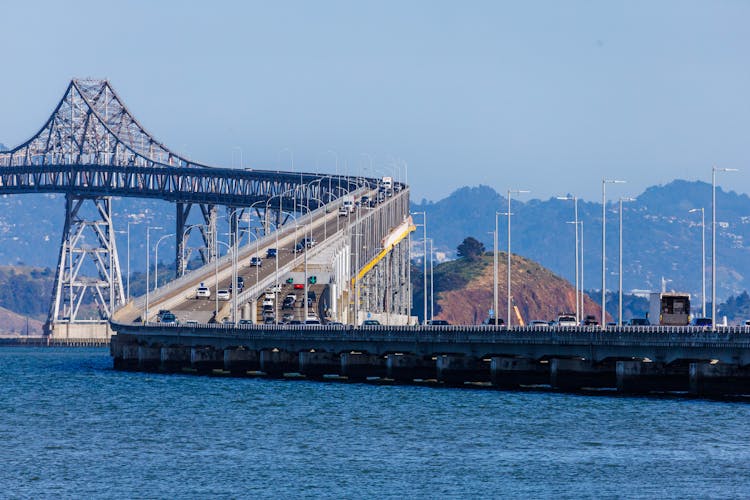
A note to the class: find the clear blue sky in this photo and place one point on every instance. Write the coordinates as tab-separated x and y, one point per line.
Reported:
547	96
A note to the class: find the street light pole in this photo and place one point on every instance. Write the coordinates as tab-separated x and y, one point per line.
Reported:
604	247
575	226
128	259
511	192
148	265
619	307
156	260
703	256
713	241
495	304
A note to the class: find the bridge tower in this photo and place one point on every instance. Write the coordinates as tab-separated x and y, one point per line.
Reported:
88	243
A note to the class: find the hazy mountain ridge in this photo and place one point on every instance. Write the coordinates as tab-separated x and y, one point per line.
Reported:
660	236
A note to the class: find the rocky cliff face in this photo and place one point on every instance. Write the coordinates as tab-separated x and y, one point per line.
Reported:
538	293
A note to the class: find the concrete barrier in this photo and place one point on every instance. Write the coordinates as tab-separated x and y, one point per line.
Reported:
239	361
316	364
717	379
174	359
407	367
575	374
276	362
206	359
509	372
457	369
639	377
359	365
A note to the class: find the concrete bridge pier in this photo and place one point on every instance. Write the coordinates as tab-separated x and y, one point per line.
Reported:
240	360
718	379
360	365
149	358
126	357
276	362
642	377
315	364
575	374
407	367
508	372
457	369
174	359
206	359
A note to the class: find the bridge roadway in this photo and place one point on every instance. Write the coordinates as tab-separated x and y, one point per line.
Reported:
327	228
630	359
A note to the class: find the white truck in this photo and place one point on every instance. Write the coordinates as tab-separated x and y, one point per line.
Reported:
387	183
669	308
347	203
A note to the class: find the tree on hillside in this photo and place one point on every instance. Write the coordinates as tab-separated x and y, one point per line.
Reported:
470	249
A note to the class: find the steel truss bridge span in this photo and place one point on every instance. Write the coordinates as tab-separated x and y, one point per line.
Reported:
92	148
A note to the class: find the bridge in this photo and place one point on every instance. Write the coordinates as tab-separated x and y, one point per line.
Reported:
92	149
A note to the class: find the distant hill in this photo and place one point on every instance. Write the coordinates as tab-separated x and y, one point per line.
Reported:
464	291
14	324
660	237
3	147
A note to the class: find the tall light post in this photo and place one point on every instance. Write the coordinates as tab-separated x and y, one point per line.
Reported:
604	247
703	255
148	265
432	283
184	235
495	304
583	300
128	259
574	199
156	260
511	192
231	251
424	279
619	305
713	241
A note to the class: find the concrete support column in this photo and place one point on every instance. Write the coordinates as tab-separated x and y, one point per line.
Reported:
638	377
148	358
315	364
719	379
455	369
174	359
513	372
408	367
128	359
575	374
275	362
205	359
240	361
359	365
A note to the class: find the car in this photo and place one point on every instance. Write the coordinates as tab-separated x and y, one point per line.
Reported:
639	322
746	323
286	318
311	294
245	322
312	320
299	286
295	322
289	301
240	281
168	317
223	294
191	322
343	212
256	262
299	247
270	253
538	323
202	292
309	242
371	322
590	320
275	288
269	320
491	321
701	322
269	295
566	319
365	201
267	303
437	322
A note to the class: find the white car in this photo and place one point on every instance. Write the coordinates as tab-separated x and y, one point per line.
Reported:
267	303
202	292
223	294
566	320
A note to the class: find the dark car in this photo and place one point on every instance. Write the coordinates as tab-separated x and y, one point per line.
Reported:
491	321
702	322
371	322
639	322
438	322
590	320
270	253
256	262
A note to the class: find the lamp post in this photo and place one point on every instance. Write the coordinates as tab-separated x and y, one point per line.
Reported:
432	283
148	265
511	192
619	305
128	259
424	279
703	256
574	199
713	241
604	247
156	260
184	235
495	304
